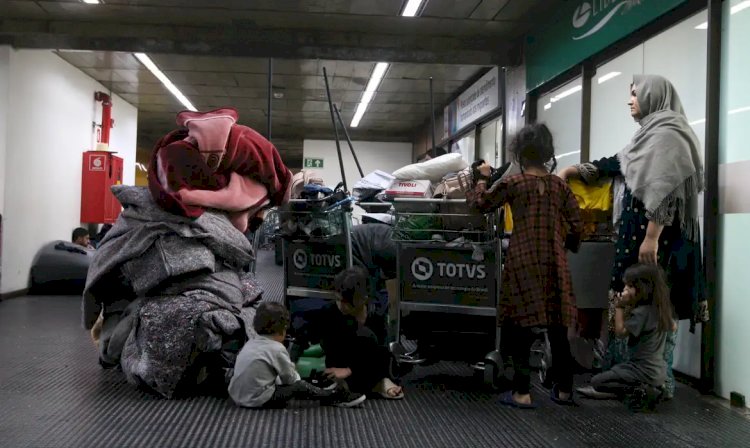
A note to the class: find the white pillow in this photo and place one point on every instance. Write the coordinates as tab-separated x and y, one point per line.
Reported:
433	169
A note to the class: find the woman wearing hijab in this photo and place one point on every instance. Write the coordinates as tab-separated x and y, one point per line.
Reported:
656	207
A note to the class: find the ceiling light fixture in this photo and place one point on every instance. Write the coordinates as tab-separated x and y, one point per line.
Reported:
411	8
560	156
608	76
372	86
733	10
91	2
145	60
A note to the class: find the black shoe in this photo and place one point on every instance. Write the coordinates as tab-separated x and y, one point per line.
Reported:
344	398
318	379
643	398
311	391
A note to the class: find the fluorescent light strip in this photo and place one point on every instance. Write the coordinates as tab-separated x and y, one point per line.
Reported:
92	2
559	156
372	86
733	10
739	7
693	123
741	109
568	92
548	106
608	76
145	60
411	8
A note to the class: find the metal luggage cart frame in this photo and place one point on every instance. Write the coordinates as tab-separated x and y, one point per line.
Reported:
316	249
447	269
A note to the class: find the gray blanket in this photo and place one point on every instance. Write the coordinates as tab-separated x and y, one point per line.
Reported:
173	294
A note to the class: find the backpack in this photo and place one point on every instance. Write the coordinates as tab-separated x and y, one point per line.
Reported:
455	186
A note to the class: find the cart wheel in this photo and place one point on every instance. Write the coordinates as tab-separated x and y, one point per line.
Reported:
398	369
543	376
493	368
545	364
490	375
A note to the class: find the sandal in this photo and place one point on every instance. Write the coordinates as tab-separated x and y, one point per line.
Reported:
386	385
554	396
507	399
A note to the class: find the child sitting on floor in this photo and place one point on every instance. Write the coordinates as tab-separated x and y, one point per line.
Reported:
354	355
264	375
639	380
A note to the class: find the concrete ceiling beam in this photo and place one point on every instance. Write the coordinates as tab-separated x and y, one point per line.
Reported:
241	41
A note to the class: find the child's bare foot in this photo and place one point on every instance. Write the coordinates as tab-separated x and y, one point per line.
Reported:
516	400
522	398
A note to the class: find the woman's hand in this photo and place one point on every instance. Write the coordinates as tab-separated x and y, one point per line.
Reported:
338	373
485	169
648	251
570	171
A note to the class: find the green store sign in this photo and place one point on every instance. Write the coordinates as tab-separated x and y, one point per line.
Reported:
584	28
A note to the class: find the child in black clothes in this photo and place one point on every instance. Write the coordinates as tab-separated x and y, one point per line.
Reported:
354	355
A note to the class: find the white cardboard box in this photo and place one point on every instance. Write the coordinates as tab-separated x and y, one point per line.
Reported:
410	189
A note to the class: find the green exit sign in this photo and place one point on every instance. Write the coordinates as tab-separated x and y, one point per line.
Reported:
313	163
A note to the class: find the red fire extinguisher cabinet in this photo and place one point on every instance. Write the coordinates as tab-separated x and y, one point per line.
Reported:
101	170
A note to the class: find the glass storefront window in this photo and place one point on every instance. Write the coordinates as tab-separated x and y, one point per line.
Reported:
733	366
489	142
465	146
560	110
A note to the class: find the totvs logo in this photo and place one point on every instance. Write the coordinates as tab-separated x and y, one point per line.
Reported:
423	269
302	260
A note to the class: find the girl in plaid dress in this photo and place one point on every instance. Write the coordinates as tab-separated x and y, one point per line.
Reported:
536	284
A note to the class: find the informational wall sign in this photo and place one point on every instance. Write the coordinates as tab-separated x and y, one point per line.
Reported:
477	101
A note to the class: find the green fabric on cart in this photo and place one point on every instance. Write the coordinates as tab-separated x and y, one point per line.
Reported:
417	227
312	359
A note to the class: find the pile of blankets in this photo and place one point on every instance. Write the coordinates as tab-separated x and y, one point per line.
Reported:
169	282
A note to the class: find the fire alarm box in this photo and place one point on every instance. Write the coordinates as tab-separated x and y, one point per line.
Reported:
101	170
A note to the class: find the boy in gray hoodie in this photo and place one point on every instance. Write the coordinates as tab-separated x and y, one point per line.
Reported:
264	375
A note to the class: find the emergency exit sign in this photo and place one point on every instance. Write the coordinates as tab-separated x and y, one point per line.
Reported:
313	163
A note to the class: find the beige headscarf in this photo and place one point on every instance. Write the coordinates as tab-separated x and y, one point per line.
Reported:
663	161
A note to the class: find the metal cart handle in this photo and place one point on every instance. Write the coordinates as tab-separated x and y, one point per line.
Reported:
430	201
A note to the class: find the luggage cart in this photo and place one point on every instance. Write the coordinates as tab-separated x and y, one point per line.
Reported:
316	243
449	265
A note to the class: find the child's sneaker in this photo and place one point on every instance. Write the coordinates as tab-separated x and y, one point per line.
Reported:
318	379
344	398
643	398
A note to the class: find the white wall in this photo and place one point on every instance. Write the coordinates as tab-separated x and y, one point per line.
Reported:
53	108
384	156
4	91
